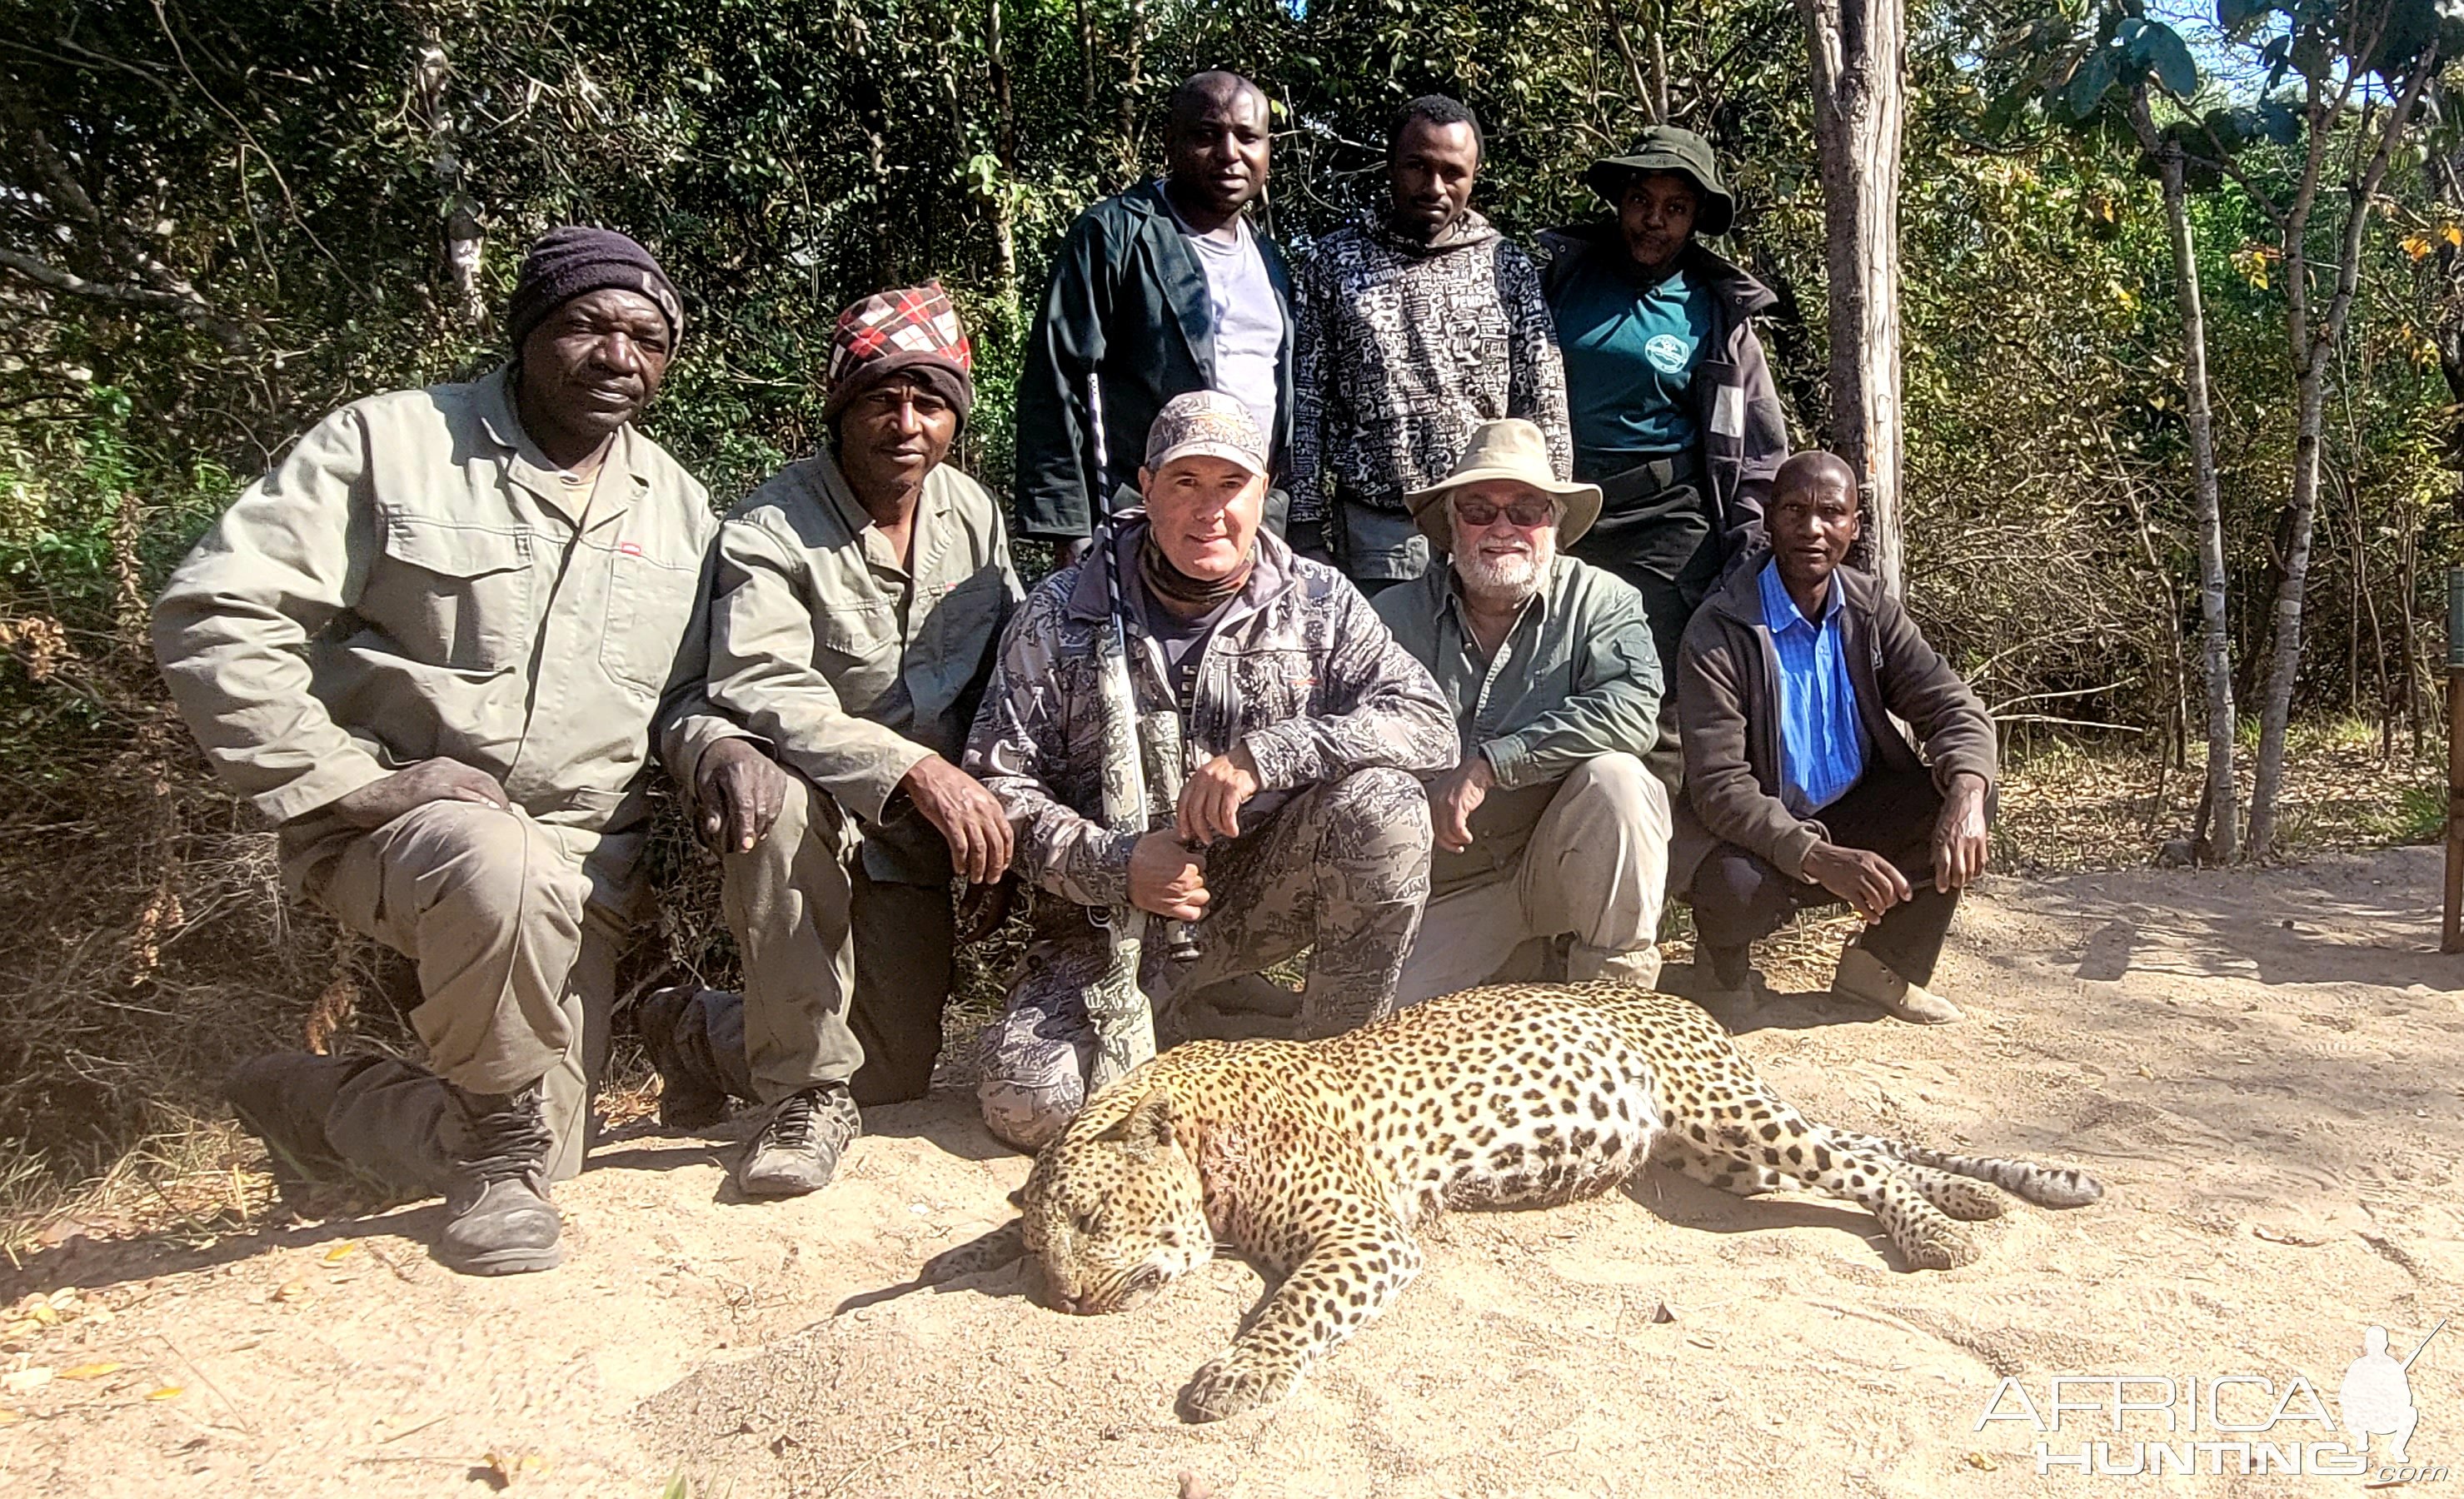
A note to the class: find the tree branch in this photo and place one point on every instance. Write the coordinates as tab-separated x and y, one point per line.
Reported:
187	309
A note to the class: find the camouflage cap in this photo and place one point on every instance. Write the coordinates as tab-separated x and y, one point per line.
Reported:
1209	423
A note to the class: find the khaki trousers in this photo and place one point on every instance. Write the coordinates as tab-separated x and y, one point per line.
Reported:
1597	866
810	922
517	975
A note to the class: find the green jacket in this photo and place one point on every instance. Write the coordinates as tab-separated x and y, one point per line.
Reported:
1126	310
1576	678
852	663
414	579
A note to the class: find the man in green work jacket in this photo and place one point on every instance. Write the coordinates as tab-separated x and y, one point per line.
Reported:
1158	291
858	599
1549	825
436	645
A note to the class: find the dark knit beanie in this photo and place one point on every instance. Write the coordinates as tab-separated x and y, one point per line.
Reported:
912	331
575	260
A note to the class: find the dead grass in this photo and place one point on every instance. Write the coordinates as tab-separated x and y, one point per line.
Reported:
2069	807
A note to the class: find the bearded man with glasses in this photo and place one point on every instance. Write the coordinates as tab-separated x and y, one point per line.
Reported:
1550	826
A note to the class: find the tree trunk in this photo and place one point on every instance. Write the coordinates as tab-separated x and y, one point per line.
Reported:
2311	344
2220	798
2216	626
1005	149
1087	64
2275	711
1134	56
1858	51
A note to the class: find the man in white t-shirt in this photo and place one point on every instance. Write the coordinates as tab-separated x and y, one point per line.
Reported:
1158	292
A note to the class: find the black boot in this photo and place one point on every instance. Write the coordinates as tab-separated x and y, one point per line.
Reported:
283	1098
690	1096
797	1150
498	1218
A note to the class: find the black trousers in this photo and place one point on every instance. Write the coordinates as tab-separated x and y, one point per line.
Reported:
1740	897
1655	531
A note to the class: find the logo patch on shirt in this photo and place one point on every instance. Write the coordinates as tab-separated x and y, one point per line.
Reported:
631	549
1667	353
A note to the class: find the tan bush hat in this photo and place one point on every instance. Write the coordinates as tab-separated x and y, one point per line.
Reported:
1512	449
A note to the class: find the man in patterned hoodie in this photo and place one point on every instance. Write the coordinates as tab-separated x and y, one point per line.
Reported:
1414	330
1303	825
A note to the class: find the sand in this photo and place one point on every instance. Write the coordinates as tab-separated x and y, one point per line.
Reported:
2262	1065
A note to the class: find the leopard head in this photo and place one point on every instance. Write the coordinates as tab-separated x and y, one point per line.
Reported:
1115	1211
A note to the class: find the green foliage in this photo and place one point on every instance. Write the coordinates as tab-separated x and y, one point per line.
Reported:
252	206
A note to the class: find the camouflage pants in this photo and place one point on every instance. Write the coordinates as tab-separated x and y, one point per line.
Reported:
1342	869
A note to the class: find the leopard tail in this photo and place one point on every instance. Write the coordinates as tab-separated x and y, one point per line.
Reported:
2046	1186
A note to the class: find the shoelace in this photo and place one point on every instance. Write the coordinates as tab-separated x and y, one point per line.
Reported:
792	1125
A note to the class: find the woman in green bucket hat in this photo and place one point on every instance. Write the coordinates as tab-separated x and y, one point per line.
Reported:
1672	405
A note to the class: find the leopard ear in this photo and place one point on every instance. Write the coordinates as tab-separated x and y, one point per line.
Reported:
1147	1128
1018	1198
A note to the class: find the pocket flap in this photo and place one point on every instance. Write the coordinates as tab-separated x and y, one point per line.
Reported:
454	550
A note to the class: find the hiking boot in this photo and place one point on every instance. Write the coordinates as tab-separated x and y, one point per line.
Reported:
283	1098
498	1218
688	1097
797	1150
1864	978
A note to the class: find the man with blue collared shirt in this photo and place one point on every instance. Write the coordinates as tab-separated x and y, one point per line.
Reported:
1787	684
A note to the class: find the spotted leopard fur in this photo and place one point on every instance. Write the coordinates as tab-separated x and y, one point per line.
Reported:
1319	1159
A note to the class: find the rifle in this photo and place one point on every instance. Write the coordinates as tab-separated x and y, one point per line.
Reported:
1123	1019
1144	764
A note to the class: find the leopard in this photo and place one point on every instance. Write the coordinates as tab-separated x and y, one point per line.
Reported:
1318	1160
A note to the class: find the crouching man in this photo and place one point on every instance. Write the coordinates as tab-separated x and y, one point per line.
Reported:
435	645
1303	825
858	598
1787	684
1550	824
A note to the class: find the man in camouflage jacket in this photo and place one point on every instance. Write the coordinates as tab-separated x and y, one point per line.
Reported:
1291	693
1414	330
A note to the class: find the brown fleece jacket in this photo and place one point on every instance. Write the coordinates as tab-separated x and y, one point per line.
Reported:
1728	705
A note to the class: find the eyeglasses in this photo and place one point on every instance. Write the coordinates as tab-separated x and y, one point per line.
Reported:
1532	509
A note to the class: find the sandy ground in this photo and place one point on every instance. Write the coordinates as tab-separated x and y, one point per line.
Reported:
2262	1067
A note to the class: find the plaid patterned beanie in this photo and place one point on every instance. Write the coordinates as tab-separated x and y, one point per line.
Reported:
912	331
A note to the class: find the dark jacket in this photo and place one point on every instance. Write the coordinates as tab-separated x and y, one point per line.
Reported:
1736	404
1728	708
1127	306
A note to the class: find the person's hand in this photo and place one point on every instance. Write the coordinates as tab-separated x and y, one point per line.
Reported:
1166	877
739	791
1959	845
1864	880
380	802
969	817
1071	553
1454	796
1212	797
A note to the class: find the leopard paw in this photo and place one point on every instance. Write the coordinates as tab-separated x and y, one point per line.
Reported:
1938	1246
1233	1383
1969	1201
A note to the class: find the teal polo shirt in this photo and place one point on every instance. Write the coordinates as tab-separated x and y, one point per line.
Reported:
1630	352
